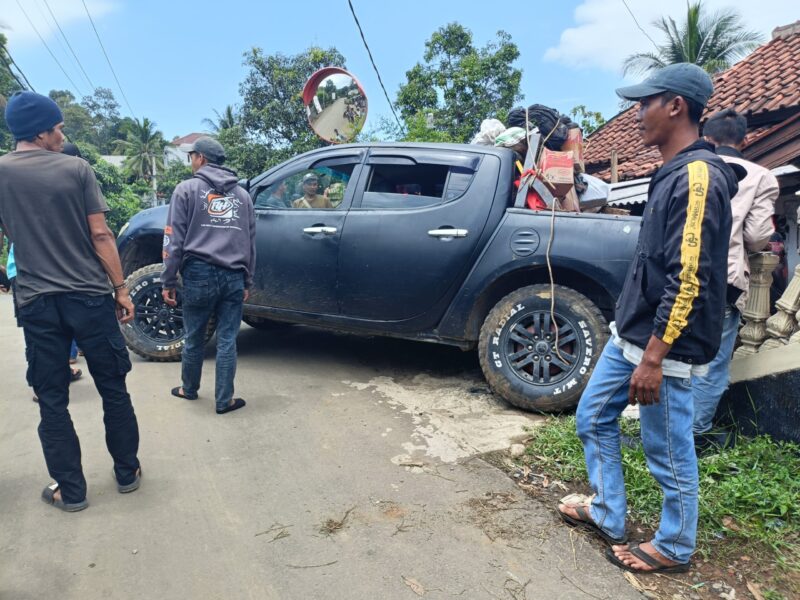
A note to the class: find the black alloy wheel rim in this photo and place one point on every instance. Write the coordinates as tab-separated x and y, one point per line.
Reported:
155	319
530	348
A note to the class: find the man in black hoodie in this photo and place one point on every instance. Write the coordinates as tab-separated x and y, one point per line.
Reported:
210	240
667	328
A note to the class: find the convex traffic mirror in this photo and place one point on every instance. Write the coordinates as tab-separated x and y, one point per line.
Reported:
336	105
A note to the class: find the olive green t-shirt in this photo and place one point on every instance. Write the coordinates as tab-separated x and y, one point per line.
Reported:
45	198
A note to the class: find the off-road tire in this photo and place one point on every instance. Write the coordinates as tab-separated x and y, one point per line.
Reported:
518	358
156	331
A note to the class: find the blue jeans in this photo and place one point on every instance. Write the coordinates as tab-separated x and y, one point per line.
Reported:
668	445
708	389
50	323
209	290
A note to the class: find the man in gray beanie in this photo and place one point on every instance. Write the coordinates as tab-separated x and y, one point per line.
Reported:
64	291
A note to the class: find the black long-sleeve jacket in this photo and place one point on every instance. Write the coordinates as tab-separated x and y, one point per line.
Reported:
676	285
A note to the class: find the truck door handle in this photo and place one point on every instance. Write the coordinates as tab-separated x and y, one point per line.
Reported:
321	229
448	233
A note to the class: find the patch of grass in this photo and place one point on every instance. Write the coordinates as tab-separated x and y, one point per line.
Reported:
748	494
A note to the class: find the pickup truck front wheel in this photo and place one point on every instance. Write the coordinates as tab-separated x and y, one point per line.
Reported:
538	360
156	331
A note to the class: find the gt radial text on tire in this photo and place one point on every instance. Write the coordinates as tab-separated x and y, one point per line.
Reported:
156	331
538	360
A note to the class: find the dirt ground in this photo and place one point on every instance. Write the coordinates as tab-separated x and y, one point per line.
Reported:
727	573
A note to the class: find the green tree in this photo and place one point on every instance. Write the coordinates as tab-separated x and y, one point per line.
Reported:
103	110
173	174
122	207
272	114
8	85
713	42
459	85
143	147
590	121
245	156
77	121
124	200
225	120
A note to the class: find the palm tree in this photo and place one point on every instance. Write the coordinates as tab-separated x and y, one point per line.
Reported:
143	148
713	42
226	120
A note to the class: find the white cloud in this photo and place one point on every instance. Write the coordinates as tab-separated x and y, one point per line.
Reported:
18	30
605	33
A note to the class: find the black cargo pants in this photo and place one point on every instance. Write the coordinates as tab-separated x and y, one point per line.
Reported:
50	323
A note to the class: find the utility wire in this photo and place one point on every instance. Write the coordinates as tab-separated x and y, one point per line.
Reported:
13	62
108	60
54	36
647	35
75	87
75	56
8	67
374	66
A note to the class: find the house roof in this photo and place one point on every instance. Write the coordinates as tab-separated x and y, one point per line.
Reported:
186	139
765	87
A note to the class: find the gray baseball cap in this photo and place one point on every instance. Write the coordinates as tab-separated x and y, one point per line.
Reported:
685	79
208	147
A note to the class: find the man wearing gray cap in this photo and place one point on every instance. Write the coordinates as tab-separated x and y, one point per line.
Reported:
310	197
668	323
210	240
64	283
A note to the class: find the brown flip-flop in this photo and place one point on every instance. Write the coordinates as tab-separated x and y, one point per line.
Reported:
658	566
585	522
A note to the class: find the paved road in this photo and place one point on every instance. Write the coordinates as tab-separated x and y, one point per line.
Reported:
330	119
235	506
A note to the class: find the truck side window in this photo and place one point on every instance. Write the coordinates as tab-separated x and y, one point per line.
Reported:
414	186
320	188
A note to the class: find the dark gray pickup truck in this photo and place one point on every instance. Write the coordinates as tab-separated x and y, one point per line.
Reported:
423	242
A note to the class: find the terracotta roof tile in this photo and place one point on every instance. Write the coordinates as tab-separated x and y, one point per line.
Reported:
186	139
766	80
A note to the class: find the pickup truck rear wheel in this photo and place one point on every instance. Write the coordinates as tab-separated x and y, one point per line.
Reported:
156	331
538	361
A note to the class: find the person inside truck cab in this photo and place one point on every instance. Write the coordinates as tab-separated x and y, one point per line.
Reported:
310	198
277	196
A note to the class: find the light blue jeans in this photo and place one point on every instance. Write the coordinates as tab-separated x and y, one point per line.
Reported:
668	445
707	390
209	290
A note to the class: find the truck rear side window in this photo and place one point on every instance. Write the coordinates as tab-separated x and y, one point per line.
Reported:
406	186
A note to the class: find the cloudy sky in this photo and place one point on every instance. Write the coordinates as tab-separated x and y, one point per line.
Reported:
177	61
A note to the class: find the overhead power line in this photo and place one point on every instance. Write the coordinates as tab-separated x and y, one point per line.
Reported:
374	66
75	87
13	62
108	60
647	35
69	63
11	72
75	56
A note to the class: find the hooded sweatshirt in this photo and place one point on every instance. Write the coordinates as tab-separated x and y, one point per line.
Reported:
210	218
676	289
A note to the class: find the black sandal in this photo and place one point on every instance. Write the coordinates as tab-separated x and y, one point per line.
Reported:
176	391
585	522
49	497
237	404
658	566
